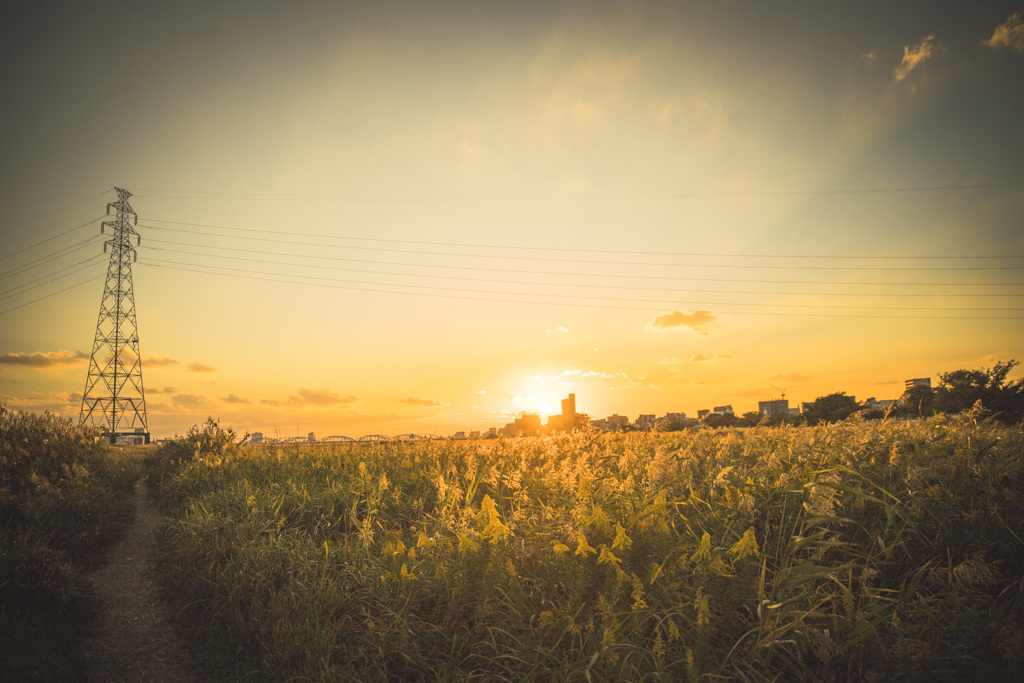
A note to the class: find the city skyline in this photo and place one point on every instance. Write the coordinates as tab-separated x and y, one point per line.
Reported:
406	219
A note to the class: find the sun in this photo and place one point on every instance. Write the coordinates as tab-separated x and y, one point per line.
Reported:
544	407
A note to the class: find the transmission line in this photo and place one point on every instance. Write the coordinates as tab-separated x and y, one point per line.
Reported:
43	260
52	277
589	298
615	263
546	249
185	194
605	275
562	284
50	239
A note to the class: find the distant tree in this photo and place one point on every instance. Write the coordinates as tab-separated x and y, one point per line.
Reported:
721	420
918	400
961	389
750	419
831	408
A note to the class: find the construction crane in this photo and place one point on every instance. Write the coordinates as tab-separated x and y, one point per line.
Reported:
781	391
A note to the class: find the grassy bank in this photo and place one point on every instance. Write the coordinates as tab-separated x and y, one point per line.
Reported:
63	499
856	551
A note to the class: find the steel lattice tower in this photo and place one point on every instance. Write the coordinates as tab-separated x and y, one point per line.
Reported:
114	398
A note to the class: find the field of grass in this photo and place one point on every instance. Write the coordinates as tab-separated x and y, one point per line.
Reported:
63	499
855	551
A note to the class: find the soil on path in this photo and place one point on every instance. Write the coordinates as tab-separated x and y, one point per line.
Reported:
133	638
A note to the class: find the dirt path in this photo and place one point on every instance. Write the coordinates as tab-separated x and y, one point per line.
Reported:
134	640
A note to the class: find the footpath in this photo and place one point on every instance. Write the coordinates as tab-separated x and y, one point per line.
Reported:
133	638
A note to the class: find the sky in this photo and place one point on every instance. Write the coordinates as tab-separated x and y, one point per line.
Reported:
384	218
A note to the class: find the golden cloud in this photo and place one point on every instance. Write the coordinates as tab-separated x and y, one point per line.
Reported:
697	321
42	360
1008	35
416	401
701	358
231	398
199	367
158	361
320	397
914	57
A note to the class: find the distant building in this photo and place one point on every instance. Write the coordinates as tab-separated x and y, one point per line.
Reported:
878	405
256	438
528	424
568	413
920	382
777	408
723	410
459	436
674	417
618	421
311	438
701	414
645	421
492	432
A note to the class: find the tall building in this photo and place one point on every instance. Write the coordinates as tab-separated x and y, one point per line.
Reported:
568	413
778	408
920	382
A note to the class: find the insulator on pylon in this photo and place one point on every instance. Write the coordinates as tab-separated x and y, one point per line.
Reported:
139	242
136	219
136	256
105	247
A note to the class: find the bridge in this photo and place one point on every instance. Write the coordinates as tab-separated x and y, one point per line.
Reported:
340	438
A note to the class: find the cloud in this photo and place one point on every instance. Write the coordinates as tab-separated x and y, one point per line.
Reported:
914	57
55	402
670	361
158	361
199	367
1008	35
701	358
164	390
190	400
231	398
482	391
576	372
697	321
416	401
44	360
320	397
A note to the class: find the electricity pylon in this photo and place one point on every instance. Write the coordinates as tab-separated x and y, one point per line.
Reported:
114	399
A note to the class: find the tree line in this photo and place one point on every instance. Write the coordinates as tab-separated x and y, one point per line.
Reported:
988	389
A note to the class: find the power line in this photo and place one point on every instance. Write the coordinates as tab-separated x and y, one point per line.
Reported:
65	208
49	239
602	275
89	262
42	260
583	305
352	197
544	249
615	263
61	291
558	284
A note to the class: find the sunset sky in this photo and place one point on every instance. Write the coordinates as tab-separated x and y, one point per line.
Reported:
428	217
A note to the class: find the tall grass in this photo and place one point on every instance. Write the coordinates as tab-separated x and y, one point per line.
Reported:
855	551
63	498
